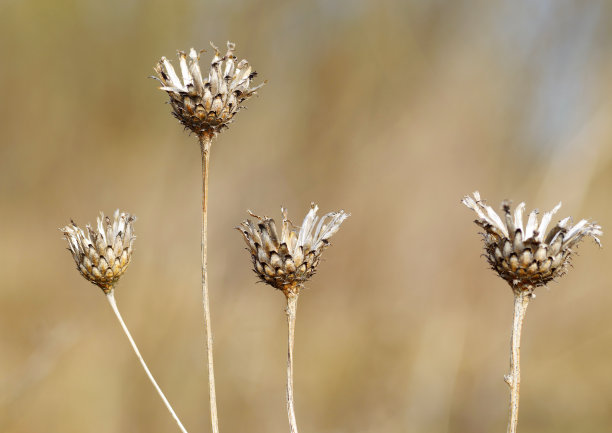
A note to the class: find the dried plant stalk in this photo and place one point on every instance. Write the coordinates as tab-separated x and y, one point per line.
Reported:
526	256
206	105
292	300
205	145
286	260
102	255
111	300
513	379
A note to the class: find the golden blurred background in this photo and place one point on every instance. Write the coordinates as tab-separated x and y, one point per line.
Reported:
392	110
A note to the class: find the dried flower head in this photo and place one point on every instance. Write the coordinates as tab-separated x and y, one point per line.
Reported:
102	255
287	261
526	256
207	105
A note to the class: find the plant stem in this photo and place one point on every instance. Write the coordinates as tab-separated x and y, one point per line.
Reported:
521	301
292	299
111	300
205	144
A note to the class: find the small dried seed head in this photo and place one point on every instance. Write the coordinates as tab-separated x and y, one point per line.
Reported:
102	255
287	259
526	256
206	105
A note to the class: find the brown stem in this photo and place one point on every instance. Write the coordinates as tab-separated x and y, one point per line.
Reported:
205	144
521	301
292	299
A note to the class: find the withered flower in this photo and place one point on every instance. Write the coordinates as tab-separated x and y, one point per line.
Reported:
526	256
206	105
287	259
102	255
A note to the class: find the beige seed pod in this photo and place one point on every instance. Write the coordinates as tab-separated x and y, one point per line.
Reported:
206	105
527	256
286	260
102	255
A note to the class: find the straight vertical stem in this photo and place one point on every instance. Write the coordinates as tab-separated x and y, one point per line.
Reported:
521	301
291	314
205	145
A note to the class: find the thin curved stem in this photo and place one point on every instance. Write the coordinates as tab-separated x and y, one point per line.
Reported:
111	300
205	144
521	301
291	314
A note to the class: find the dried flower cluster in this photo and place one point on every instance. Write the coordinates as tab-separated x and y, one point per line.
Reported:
526	256
207	105
102	255
287	261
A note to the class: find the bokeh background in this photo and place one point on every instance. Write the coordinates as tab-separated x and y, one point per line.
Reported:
392	110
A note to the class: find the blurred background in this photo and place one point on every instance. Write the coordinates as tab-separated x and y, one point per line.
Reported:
392	110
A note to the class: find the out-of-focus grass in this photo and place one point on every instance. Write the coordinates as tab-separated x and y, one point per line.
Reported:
391	110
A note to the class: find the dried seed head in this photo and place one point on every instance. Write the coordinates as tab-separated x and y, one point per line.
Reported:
526	256
102	255
206	105
286	260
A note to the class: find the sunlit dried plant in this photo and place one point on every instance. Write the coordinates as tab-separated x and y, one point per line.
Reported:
206	105
285	261
526	256
102	256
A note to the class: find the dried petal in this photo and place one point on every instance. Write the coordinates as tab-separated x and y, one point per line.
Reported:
206	105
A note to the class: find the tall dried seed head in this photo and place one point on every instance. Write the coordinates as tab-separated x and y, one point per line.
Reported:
206	105
287	259
102	255
526	256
